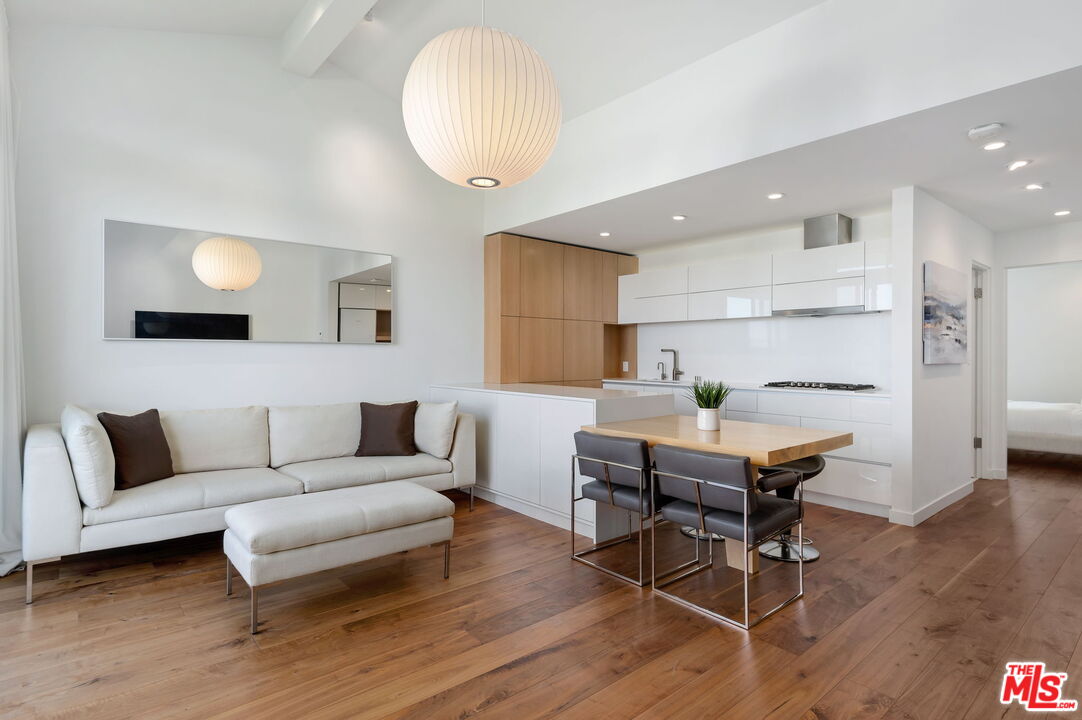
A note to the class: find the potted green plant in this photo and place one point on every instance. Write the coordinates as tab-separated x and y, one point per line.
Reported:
708	395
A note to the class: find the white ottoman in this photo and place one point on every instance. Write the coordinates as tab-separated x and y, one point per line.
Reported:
274	540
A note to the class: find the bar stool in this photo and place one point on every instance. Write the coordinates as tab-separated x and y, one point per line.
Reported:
777	478
621	469
716	493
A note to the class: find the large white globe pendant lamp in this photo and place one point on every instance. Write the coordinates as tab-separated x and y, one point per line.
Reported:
481	107
226	263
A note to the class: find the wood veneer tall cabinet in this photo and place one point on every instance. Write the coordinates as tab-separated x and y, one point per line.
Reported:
550	313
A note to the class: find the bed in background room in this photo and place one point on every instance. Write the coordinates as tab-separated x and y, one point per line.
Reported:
1044	427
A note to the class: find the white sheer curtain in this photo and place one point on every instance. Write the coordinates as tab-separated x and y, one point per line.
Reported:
12	406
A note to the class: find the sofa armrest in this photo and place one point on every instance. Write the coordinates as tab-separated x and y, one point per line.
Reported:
463	455
52	512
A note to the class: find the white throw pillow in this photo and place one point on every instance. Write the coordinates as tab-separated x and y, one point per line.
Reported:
434	428
220	439
91	455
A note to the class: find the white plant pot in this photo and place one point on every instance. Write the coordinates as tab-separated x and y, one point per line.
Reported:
709	419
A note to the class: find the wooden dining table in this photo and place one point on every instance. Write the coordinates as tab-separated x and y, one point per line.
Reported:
763	444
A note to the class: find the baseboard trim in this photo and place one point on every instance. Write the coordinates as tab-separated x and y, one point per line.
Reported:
995	474
537	512
912	519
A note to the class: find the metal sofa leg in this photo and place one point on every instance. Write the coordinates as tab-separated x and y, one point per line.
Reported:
228	577
447	560
255	610
30	577
471	498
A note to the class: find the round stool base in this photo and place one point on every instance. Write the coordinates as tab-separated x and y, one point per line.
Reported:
787	551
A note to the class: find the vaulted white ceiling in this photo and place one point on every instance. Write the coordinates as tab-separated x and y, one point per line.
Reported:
598	49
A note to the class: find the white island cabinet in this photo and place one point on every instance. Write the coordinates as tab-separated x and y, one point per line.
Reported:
525	439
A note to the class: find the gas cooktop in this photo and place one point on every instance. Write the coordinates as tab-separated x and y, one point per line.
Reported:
796	384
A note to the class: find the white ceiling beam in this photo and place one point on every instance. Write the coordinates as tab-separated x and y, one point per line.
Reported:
318	29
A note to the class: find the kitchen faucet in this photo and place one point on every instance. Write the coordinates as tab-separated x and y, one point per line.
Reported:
661	367
676	371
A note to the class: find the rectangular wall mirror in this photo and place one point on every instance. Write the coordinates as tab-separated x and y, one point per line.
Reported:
165	283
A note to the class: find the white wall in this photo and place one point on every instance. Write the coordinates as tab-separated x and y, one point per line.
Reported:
1044	333
846	348
206	132
838	66
933	404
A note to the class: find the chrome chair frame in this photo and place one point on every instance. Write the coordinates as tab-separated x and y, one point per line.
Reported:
579	555
748	547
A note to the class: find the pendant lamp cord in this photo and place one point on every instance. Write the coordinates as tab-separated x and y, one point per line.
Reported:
482	13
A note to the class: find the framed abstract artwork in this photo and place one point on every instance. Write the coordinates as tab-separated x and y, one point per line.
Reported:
946	293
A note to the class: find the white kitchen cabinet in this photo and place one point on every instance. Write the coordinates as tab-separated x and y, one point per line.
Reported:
764	418
667	281
384	298
740	272
728	304
825	263
831	407
819	294
556	445
742	400
356	326
853	480
878	287
871	441
662	308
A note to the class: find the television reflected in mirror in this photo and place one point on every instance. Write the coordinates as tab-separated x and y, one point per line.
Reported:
165	283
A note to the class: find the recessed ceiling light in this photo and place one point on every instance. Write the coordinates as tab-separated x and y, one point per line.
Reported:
1017	165
604	234
775	196
679	218
996	145
1061	213
1034	186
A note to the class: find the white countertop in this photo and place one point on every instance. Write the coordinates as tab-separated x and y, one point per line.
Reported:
753	386
563	391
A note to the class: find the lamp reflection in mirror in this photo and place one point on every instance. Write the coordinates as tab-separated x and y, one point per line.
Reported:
481	107
226	263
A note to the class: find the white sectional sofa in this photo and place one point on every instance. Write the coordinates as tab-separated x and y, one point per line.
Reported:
222	458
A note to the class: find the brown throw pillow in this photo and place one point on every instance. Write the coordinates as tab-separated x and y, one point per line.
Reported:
387	429
139	446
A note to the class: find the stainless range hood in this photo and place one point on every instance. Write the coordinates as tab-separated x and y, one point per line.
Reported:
820	232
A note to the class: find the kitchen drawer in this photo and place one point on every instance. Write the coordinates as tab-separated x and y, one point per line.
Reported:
854	480
846	292
650	283
831	407
872	410
825	263
745	400
738	272
871	441
664	308
728	304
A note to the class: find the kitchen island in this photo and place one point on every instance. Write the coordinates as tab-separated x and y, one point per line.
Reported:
525	439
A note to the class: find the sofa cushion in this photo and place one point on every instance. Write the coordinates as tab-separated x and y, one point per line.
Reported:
91	455
140	449
225	439
319	475
288	523
434	427
193	491
313	432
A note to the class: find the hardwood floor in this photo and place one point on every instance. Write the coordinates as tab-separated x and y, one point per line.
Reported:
897	623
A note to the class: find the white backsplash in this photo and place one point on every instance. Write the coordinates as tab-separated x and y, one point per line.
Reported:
841	348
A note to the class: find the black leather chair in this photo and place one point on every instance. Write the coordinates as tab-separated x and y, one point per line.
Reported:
779	479
717	494
621	472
